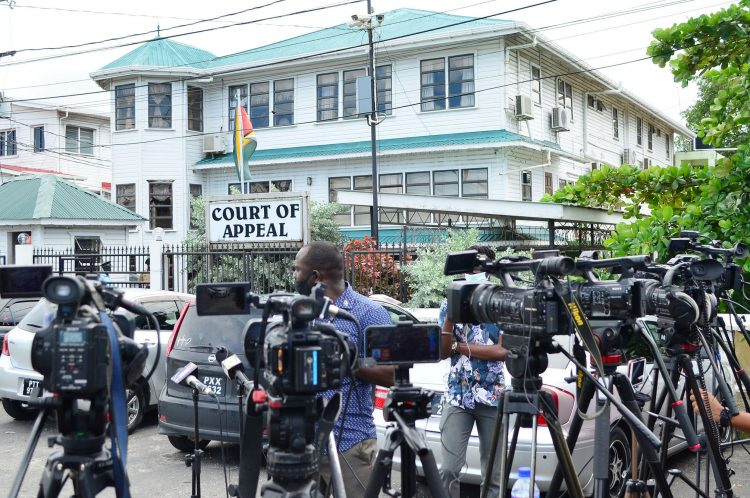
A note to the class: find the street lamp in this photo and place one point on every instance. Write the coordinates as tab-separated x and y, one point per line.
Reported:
370	21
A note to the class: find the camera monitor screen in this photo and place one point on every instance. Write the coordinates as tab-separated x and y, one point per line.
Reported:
403	344
23	281
636	369
222	299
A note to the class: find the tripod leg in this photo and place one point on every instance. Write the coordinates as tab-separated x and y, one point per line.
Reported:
337	479
512	448
382	467
432	475
565	460
52	478
601	444
36	431
503	444
493	447
587	392
627	396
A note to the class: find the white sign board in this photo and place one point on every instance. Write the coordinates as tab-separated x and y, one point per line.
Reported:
257	218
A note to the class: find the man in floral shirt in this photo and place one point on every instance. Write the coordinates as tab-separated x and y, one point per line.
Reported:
475	384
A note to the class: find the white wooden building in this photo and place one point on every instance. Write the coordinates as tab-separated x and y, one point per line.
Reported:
469	108
45	138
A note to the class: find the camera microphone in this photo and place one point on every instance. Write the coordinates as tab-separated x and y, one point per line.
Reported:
234	370
334	311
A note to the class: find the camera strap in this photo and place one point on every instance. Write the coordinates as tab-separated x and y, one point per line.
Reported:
581	324
118	428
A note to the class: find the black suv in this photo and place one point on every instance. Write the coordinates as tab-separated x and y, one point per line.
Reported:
198	339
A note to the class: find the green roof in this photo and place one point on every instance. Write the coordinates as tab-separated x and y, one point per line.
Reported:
395	235
397	24
47	196
384	145
161	52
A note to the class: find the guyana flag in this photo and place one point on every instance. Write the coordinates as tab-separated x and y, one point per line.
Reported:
244	142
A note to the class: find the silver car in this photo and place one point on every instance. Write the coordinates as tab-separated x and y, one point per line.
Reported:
18	379
434	377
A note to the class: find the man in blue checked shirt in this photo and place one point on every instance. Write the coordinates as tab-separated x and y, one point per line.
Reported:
322	262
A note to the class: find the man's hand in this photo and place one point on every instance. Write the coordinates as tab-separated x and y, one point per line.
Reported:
716	407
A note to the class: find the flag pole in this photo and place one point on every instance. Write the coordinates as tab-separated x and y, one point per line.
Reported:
240	161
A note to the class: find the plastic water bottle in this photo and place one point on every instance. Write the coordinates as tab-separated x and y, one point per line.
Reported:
521	487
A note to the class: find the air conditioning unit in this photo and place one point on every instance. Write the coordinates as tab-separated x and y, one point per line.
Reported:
560	119
214	143
628	156
524	108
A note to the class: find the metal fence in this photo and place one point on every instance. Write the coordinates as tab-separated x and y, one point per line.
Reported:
378	271
266	268
125	266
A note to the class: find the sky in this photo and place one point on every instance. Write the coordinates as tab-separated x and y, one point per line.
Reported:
620	33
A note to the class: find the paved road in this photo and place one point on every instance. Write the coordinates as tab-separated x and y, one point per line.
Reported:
157	469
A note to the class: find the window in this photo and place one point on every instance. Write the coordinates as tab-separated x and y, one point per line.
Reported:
196	191
259	104
234	91
474	183
328	96
667	145
548	183
160	105
125	195
646	163
87	245
283	102
562	183
350	92
595	103
195	108
125	107
384	86
79	140
281	186
418	183
639	131
651	131
340	183
525	185
594	166
461	81
433	84
165	312
362	214
8	143
536	84
255	187
565	95
160	204
615	123
38	138
394	184
446	183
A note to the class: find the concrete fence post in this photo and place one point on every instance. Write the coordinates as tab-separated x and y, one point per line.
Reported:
156	249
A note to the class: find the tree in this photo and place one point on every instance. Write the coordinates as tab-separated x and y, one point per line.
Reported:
708	91
714	201
323	222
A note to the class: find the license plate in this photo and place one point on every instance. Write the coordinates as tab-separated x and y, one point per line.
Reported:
437	404
216	384
29	385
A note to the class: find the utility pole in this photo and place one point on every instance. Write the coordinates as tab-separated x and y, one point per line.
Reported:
373	122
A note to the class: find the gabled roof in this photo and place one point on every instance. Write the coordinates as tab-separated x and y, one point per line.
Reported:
161	52
48	197
397	23
20	170
488	138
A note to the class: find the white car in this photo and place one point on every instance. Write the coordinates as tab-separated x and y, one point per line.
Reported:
18	379
434	377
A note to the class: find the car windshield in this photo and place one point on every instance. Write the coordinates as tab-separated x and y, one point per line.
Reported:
39	317
212	331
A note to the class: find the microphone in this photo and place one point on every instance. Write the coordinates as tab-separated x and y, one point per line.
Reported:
184	375
331	309
234	370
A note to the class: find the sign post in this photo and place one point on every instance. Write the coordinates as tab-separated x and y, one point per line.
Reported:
259	218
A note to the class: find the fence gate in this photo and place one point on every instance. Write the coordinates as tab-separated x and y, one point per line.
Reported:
125	266
267	269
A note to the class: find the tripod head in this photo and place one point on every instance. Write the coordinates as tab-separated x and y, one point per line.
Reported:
411	403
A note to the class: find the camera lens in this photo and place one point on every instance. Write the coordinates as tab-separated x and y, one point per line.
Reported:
62	290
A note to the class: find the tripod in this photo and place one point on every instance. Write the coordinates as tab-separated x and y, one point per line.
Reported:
83	460
404	405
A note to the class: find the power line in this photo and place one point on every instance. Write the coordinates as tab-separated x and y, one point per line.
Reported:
205	30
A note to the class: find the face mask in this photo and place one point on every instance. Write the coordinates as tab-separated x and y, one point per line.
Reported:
475	277
302	286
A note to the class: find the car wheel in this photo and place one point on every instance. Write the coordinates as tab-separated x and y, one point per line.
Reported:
136	406
619	460
19	410
185	444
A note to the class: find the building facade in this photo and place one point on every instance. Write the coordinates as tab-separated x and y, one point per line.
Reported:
72	144
466	108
